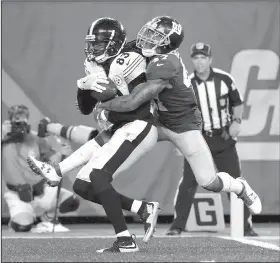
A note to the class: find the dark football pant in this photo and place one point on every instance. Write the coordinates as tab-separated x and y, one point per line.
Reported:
226	159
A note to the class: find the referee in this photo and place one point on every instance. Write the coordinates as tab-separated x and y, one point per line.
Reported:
221	107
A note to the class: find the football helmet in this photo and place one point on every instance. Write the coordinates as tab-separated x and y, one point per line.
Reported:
105	39
161	35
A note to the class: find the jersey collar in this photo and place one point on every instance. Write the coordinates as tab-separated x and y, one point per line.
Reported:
210	77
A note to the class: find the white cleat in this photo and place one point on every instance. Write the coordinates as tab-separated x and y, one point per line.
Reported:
149	218
47	227
122	245
250	198
44	170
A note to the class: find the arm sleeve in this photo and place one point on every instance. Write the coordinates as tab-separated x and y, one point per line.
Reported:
85	101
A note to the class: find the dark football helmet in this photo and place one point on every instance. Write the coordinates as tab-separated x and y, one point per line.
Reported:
161	35
105	39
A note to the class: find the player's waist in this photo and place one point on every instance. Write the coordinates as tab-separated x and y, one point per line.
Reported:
149	119
179	114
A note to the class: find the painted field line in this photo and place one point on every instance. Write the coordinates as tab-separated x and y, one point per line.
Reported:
252	242
42	236
265	237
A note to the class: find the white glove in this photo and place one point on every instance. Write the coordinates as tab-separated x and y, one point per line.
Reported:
100	79
91	82
101	118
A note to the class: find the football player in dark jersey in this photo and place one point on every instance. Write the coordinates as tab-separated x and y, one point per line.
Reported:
178	115
132	135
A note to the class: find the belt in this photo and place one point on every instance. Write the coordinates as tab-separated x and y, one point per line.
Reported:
214	132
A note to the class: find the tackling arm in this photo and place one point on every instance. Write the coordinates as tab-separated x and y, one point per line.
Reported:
142	93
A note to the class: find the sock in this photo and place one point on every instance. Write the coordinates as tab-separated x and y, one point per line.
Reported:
79	157
124	234
230	184
111	203
136	206
126	202
142	208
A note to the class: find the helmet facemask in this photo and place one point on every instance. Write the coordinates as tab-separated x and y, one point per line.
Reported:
102	47
149	39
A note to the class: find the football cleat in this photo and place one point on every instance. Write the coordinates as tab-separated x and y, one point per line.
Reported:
249	197
149	218
174	232
45	170
122	245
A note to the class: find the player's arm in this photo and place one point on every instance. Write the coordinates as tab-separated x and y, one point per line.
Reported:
159	73
85	102
144	92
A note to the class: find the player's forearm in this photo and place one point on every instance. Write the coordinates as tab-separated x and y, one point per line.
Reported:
121	104
237	112
144	92
85	101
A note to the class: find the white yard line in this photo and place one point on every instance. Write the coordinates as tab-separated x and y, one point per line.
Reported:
248	241
252	242
59	236
265	237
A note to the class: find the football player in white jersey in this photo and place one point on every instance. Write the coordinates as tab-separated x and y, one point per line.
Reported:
133	133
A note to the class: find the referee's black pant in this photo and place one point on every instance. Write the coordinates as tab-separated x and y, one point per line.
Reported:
226	159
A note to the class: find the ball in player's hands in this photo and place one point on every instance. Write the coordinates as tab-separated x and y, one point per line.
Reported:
106	91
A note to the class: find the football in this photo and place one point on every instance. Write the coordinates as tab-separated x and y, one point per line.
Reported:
108	94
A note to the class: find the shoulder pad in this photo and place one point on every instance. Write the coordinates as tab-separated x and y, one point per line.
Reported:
163	67
129	65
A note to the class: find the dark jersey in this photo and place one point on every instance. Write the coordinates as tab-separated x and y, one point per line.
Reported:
177	107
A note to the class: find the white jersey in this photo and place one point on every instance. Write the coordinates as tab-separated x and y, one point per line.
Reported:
125	67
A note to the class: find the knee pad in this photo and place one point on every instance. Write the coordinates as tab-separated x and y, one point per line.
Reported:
216	186
100	180
81	188
84	190
69	205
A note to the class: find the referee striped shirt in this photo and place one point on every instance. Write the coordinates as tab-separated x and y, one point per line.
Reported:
216	98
